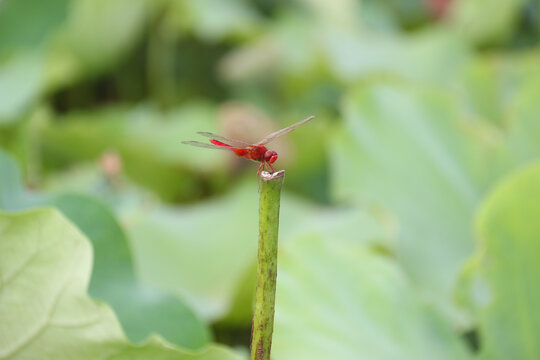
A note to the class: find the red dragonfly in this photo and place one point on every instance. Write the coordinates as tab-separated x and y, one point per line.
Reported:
257	152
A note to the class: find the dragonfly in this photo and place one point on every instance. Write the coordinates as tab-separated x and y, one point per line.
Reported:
256	152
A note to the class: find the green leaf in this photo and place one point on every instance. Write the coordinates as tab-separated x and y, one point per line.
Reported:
491	88
469	18
147	141
26	24
45	265
214	20
20	83
25	28
202	252
46	46
198	252
429	56
504	276
142	310
12	195
405	149
524	134
296	45
338	300
287	48
78	50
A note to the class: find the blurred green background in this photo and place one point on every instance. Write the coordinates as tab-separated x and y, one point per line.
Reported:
410	214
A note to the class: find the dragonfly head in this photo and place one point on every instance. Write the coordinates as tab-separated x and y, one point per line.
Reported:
270	156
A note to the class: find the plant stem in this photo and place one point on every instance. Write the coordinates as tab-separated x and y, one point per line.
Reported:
263	316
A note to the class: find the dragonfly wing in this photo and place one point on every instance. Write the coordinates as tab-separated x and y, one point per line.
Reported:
205	145
232	142
284	131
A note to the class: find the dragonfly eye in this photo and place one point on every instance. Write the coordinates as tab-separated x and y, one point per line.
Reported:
270	156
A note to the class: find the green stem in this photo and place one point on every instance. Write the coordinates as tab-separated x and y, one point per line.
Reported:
263	316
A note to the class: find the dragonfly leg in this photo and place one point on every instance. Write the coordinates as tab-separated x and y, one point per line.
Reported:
271	167
258	177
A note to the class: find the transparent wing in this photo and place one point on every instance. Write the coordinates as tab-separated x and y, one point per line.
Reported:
232	142
284	131
205	145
